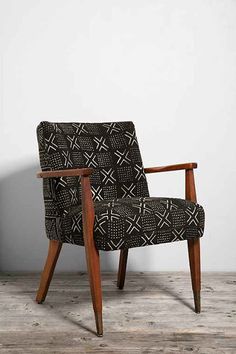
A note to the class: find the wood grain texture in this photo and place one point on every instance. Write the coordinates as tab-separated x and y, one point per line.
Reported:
181	166
65	173
153	314
92	254
190	189
54	250
122	268
194	245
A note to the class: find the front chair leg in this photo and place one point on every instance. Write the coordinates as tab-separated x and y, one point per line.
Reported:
46	276
93	265
122	268
195	268
92	254
193	245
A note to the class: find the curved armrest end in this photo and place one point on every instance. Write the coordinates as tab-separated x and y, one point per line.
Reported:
181	166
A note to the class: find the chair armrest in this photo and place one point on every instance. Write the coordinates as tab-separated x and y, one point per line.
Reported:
87	199
65	173
181	166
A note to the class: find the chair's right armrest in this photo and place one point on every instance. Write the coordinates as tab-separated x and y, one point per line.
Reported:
66	173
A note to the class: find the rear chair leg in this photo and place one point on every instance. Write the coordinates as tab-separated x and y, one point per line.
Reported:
46	276
195	269
122	268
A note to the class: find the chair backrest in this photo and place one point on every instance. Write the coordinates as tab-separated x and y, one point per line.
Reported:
110	148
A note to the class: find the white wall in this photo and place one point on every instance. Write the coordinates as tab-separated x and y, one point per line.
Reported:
170	66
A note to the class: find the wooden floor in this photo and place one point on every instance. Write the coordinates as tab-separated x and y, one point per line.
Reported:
153	314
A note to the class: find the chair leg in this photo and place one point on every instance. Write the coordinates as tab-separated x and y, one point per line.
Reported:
195	268
122	268
194	245
46	276
93	265
92	254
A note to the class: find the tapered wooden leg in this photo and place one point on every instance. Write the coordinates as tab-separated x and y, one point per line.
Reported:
195	268
92	254
93	265
122	268
194	246
46	276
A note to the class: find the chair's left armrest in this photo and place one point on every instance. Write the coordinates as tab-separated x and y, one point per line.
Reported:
190	192
181	166
86	195
66	173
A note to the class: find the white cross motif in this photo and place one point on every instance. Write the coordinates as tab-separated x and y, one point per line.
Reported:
90	159
79	128
96	192
50	144
128	191
139	170
73	193
178	235
110	127
76	222
163	218
132	138
68	162
148	239
122	157
73	142
98	224
101	143
193	214
133	224
61	183
108	176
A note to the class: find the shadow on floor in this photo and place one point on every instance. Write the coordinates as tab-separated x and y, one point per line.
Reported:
69	293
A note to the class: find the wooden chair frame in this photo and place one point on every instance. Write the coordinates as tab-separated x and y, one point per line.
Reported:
92	254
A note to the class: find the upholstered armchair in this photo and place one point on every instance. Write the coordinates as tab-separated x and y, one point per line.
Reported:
96	195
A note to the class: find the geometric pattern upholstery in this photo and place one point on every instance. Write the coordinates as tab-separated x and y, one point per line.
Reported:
125	216
137	222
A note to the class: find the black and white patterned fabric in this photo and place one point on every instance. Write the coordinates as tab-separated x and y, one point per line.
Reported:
125	215
137	222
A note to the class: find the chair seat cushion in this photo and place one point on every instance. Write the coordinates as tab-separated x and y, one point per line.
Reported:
136	222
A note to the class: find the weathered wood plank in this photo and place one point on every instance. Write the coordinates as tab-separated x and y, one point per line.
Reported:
154	313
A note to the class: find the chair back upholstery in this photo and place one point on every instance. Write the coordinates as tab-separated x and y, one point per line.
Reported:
110	148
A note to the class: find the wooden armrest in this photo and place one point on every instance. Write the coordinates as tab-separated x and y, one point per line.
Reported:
65	173
181	166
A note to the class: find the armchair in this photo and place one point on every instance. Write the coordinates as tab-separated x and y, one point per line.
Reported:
96	195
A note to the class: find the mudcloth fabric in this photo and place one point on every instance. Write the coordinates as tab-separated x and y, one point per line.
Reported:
125	215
